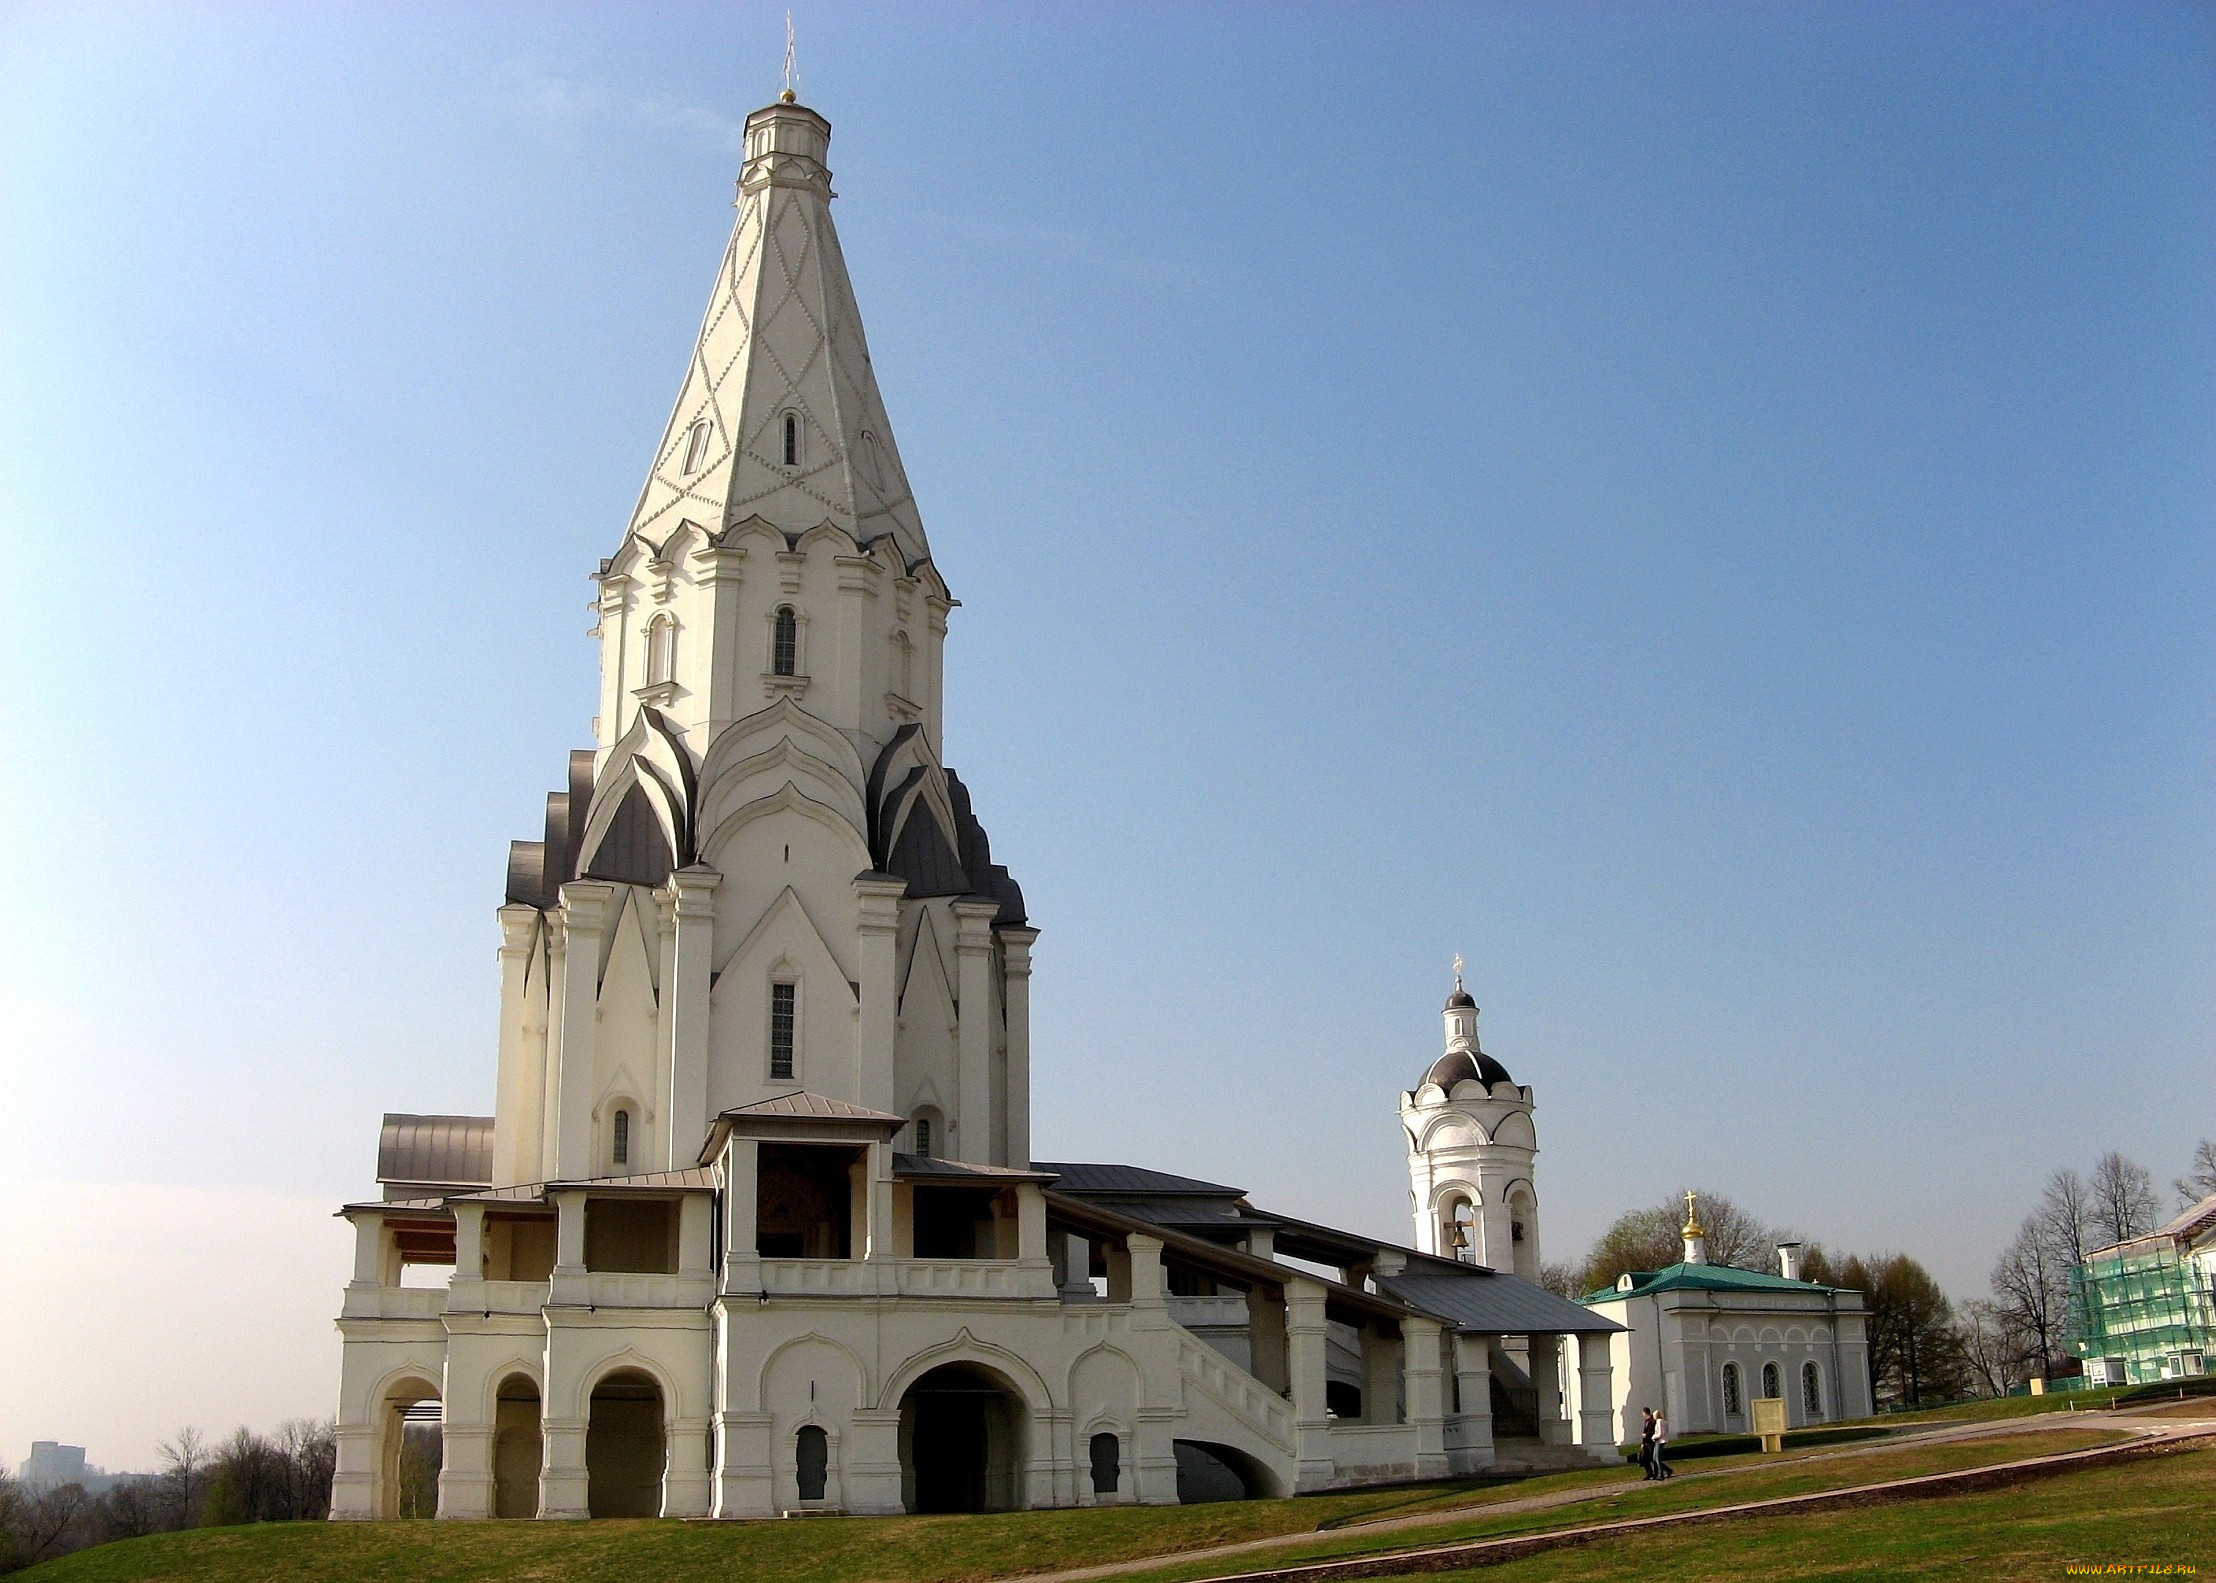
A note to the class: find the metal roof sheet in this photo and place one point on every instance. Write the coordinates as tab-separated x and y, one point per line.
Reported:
932	1167
448	1151
1704	1278
1083	1178
804	1106
1491	1303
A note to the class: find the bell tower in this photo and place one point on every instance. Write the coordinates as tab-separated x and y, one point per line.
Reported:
1471	1152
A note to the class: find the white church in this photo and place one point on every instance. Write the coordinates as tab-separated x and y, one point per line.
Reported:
755	1227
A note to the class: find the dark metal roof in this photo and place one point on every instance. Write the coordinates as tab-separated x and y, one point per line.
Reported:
1490	1303
1466	1065
926	1167
1130	1179
804	1106
435	1151
1460	1001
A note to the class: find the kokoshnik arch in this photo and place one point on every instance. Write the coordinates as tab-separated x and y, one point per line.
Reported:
755	1226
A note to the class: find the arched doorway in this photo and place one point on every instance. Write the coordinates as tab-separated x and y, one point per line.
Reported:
1209	1472
515	1448
623	1447
961	1442
410	1449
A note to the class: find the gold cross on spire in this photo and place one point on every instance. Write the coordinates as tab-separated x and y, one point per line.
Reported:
1693	1227
1457	970
789	95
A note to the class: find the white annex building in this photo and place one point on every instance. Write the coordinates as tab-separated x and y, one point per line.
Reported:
755	1225
1704	1340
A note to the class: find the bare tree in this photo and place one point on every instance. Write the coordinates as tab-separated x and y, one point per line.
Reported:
52	1522
132	1508
184	1475
2031	1292
2199	1180
309	1447
1996	1362
2065	1217
2123	1199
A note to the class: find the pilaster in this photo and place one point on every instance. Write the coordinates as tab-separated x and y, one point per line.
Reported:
1305	1341
878	899
975	1139
1421	1367
1015	947
742	1264
584	914
1596	1397
685	1001
516	1104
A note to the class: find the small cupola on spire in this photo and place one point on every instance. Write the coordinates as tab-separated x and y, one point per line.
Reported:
1694	1233
1463	1059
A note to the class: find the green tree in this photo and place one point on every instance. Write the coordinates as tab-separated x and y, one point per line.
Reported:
1650	1239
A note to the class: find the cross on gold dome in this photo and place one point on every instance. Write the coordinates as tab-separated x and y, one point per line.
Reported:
1693	1227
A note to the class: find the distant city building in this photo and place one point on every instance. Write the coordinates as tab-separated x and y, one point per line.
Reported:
52	1464
755	1226
1703	1340
2144	1310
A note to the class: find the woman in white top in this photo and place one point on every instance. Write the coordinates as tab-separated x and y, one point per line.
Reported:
1662	1469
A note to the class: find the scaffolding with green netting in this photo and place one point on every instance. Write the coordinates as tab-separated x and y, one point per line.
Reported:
2142	1311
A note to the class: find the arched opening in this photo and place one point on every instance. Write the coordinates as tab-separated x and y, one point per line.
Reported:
1106	1453
1210	1472
410	1450
1458	1230
696	446
1773	1381
661	650
515	1448
784	646
961	1442
812	1461
1523	1234
792	439
619	1138
1732	1405
623	1447
1812	1391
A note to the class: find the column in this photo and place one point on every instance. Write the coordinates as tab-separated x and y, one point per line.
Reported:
1596	1415
973	948
516	1104
369	1249
569	1251
1305	1339
1148	1288
695	1234
465	1292
1015	945
879	898
742	1265
1270	1363
584	914
1381	1359
692	955
1473	1379
1420	1365
881	1240
1031	1223
685	1480
1546	1378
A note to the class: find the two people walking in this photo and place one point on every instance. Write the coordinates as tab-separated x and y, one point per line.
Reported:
1654	1438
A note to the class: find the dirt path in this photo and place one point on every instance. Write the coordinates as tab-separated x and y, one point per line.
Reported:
2142	1428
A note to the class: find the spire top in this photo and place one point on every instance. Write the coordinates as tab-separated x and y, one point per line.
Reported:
1693	1227
1457	970
790	95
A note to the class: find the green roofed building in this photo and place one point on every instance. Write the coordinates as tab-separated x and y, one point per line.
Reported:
2144	1310
1703	1340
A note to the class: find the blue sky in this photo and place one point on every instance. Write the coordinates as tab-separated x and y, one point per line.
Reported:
1704	510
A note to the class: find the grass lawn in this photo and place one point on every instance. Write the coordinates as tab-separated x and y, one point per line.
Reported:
955	1549
2156	1512
1743	1479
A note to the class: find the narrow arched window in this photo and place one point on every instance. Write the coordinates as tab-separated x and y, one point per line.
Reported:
696	446
812	1461
782	1005
620	1147
1107	1459
1812	1390
661	650
792	439
1731	1388
923	1135
784	648
1773	1380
